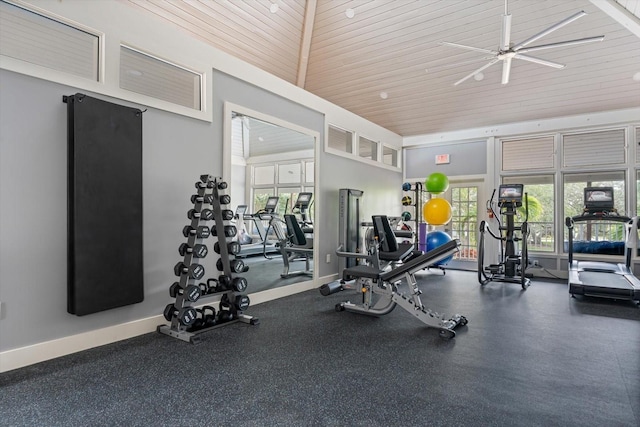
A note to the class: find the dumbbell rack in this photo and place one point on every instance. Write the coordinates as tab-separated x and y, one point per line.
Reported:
417	202
181	312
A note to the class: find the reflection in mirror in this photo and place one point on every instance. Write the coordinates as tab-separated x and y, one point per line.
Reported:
272	194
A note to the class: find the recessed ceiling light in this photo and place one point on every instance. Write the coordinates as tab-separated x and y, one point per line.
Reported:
134	73
274	7
261	139
350	13
384	95
636	76
479	76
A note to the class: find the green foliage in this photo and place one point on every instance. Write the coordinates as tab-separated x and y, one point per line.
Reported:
536	209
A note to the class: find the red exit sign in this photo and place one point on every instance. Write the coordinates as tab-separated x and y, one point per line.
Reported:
442	159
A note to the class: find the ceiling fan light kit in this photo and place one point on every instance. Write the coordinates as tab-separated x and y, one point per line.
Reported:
507	52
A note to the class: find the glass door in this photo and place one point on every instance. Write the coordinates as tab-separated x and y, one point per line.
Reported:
463	197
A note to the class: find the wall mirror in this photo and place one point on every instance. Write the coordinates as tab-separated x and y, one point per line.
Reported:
270	166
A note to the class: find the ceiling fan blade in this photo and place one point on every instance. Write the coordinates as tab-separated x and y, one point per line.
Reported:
484	67
539	61
550	30
441	67
506	70
477	49
505	39
562	44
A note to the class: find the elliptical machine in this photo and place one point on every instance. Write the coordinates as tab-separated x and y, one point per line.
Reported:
512	266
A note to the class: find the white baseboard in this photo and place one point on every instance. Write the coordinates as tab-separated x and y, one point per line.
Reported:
36	353
40	352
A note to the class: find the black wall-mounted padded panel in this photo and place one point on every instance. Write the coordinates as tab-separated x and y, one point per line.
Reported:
105	265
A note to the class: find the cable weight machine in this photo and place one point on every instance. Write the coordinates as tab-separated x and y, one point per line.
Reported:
511	266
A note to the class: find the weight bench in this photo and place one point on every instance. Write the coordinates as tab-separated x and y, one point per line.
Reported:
371	281
293	244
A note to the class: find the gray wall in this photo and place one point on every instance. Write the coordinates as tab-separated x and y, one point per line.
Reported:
176	150
33	216
382	195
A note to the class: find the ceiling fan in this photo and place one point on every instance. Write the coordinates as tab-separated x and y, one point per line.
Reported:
508	51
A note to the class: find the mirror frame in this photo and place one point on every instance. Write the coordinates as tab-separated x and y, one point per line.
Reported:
229	108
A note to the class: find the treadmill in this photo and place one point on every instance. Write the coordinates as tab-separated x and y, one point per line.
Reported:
598	278
263	246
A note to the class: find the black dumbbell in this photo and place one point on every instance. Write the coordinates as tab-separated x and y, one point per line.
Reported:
222	185
198	323
192	292
206	214
202	232
225	199
239	302
207	198
186	315
209	316
229	230
237	265
204	289
198	251
209	184
224	283
239	284
194	271
212	286
227	214
224	316
232	247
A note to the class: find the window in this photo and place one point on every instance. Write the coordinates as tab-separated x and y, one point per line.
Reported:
263	175
286	180
528	153
586	149
541	203
390	156
367	148
47	42
160	79
340	139
289	173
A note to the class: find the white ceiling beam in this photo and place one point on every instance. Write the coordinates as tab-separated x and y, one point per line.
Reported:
620	14
305	43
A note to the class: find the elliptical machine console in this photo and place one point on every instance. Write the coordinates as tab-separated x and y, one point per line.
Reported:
512	264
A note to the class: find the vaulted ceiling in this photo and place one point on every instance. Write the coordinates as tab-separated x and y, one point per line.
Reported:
384	60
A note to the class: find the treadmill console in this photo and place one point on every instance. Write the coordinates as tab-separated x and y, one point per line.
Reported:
598	199
510	194
304	199
272	205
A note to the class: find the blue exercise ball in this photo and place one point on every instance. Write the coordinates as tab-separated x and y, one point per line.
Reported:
435	239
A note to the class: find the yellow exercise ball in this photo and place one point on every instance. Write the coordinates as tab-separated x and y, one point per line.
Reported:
437	211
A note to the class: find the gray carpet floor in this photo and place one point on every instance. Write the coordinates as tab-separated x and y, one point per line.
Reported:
527	358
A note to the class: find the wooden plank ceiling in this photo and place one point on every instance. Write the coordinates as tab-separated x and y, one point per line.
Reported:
386	62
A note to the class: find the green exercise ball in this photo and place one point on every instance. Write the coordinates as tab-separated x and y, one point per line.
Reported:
437	183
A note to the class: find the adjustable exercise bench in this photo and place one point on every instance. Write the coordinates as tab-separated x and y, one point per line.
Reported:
373	281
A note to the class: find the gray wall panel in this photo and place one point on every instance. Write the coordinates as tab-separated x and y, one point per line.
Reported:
467	158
